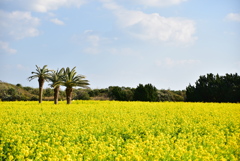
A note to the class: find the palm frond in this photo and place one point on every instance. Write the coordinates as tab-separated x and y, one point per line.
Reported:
55	77
71	79
40	73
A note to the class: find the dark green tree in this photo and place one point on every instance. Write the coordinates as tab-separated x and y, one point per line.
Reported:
116	93
140	93
81	94
146	93
19	85
151	93
211	88
120	93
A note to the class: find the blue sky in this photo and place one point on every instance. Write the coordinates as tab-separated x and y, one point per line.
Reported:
168	43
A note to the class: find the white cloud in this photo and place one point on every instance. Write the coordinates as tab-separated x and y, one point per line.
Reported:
92	40
92	50
159	3
233	17
21	67
93	44
4	47
153	26
168	62
57	21
18	25
123	51
47	5
44	5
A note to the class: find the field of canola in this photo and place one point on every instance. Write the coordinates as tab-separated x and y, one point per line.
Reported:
111	130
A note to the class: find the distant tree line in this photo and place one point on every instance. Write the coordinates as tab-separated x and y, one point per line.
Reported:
146	92
141	93
209	88
215	88
9	92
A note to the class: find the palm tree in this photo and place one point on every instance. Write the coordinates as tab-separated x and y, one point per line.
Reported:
70	80
42	75
56	78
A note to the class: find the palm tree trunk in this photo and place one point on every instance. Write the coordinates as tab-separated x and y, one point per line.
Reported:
56	92
41	82
69	94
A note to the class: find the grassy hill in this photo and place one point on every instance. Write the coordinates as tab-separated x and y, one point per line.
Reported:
10	92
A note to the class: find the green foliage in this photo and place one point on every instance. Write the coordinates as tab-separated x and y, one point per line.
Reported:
34	98
19	85
169	95
113	93
66	77
28	88
213	88
10	92
120	93
146	93
42	74
48	92
94	92
55	78
81	94
70	79
99	94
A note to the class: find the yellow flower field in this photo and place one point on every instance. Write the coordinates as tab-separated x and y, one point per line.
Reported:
111	130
